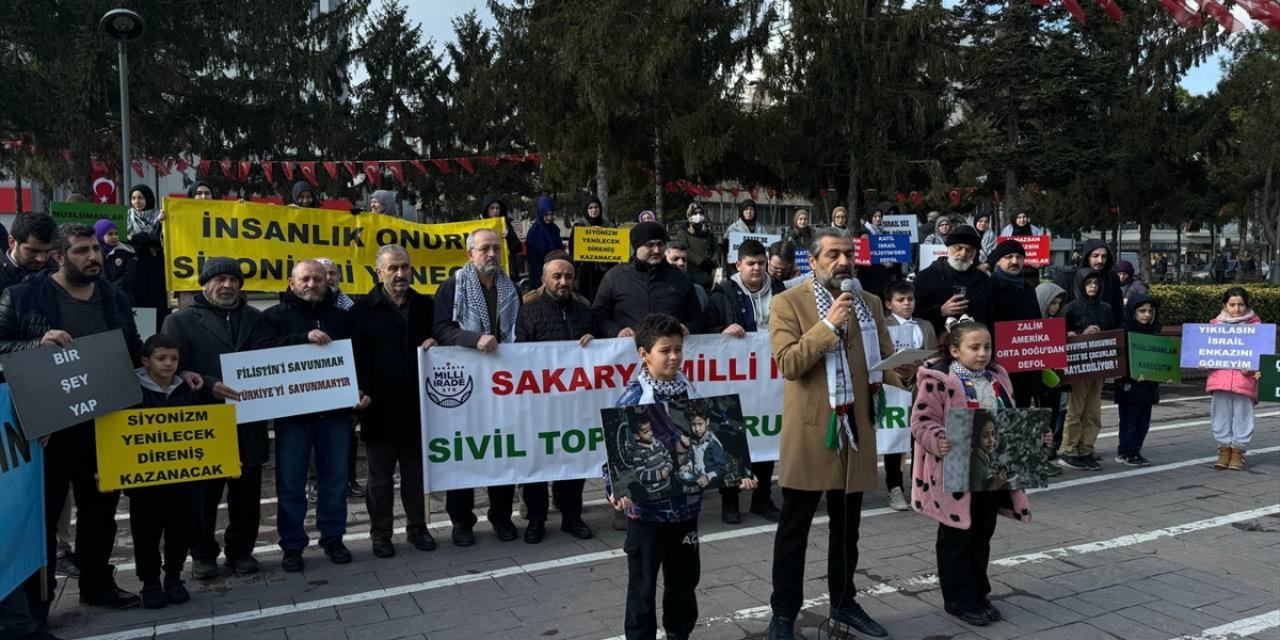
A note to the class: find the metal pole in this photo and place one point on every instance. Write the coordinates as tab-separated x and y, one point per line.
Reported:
126	160
1275	262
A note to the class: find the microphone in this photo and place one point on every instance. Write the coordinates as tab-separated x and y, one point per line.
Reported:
847	286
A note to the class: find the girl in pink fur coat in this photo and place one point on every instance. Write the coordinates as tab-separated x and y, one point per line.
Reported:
962	377
1232	393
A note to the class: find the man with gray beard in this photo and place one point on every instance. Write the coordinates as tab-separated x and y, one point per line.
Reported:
476	308
219	320
307	315
954	286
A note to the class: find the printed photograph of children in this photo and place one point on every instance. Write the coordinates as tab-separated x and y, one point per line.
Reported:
1004	450
684	446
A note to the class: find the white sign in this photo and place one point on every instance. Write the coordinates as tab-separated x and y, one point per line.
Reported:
904	224
531	411
291	381
144	318
737	237
893	420
929	253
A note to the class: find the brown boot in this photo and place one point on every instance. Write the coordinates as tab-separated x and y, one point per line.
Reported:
1224	458
1237	459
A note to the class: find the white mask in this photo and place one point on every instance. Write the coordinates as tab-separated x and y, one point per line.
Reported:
695	218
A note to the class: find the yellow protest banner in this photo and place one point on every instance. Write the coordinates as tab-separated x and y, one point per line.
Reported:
149	447
268	240
601	244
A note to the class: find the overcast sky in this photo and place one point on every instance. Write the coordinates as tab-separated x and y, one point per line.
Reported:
435	16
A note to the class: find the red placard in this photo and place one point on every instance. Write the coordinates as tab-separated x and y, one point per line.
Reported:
1037	248
862	251
1031	345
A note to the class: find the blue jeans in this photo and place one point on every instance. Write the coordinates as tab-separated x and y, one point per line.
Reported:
329	436
1135	420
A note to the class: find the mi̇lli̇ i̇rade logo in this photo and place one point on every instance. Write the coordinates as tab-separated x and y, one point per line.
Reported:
449	386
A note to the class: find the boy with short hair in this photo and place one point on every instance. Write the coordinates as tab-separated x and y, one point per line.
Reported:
900	301
162	511
661	535
1086	313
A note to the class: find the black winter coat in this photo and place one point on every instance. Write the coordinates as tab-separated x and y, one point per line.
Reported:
934	288
729	304
30	310
1082	312
204	333
545	319
1129	390
1111	291
386	351
10	273
294	318
121	268
631	292
1010	302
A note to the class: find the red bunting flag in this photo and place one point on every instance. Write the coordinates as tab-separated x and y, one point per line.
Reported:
204	167
332	168
245	165
1076	10
308	170
373	171
899	197
159	167
995	197
535	158
466	165
266	172
916	199
490	160
287	168
226	168
1111	9
954	196
1182	14
350	166
1222	15
734	191
137	167
397	173
442	166
182	163
417	164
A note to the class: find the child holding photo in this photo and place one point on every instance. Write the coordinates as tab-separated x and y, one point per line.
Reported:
963	376
983	475
1233	393
661	535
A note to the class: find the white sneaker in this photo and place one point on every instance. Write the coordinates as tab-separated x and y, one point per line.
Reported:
897	501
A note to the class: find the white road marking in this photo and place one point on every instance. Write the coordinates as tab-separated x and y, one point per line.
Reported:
153	630
1239	628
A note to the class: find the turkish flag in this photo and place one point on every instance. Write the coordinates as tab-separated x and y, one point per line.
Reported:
417	164
466	165
182	163
954	196
397	173
350	166
442	165
308	170
137	167
266	172
1182	14
226	167
332	168
899	197
245	165
287	168
204	167
916	199
1075	9
372	171
1223	15
490	160
1112	9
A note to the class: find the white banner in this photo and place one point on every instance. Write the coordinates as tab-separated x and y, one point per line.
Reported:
929	253
893	420
904	225
291	381
737	237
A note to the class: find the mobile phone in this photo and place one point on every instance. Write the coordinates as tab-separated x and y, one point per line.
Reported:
961	291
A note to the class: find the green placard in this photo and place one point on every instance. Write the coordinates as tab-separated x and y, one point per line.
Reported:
1269	384
89	213
1154	358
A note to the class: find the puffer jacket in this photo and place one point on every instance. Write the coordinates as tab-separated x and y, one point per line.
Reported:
544	319
938	392
1233	380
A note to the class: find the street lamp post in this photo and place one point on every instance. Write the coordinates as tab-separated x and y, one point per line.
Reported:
124	26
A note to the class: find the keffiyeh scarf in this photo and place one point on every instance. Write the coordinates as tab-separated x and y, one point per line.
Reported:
839	378
472	313
653	387
981	389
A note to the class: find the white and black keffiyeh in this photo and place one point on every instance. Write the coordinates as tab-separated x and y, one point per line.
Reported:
472	313
653	387
839	379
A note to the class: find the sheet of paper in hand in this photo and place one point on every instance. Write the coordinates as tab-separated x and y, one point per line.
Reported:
995	450
680	447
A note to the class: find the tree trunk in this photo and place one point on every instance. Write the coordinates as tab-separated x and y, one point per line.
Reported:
1011	192
1144	250
657	171
852	204
17	191
602	179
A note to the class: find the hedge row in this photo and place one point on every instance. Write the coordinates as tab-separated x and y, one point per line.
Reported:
1183	303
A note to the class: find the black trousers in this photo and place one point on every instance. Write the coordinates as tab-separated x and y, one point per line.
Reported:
461	503
154	513
673	548
351	456
244	515
963	554
798	508
380	491
71	464
763	472
568	497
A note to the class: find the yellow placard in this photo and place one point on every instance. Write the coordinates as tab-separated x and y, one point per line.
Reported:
149	447
601	244
267	240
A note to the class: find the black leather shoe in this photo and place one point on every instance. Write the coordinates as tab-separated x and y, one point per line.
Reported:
577	528
973	617
729	513
463	536
243	565
175	591
506	530
421	540
292	561
535	532
855	618
767	510
781	628
338	553
354	489
204	569
991	612
113	598
153	596
383	548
